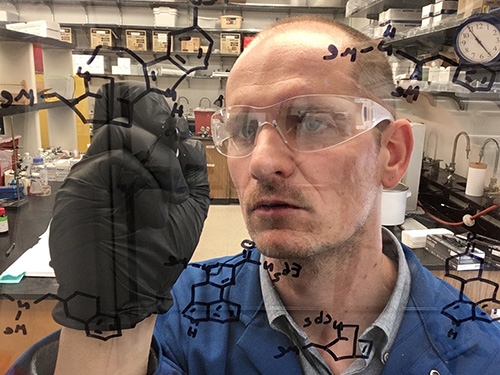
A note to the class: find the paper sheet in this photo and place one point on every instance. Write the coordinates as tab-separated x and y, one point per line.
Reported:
34	262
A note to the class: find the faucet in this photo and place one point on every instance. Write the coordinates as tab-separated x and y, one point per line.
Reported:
493	179
201	100
183	97
451	168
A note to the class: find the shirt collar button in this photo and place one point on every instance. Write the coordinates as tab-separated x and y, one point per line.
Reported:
385	357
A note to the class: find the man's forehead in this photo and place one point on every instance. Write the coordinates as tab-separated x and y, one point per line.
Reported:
312	35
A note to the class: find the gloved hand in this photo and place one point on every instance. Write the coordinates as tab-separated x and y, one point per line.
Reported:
126	221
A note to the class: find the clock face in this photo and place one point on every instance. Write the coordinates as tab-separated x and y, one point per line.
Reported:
478	41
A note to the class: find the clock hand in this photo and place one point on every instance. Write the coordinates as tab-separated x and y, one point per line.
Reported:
477	40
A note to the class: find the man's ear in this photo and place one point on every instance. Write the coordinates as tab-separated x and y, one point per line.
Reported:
397	139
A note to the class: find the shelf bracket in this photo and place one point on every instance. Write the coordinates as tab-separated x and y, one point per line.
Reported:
50	5
86	9
451	95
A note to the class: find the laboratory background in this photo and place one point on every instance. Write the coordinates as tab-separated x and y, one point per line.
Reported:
56	54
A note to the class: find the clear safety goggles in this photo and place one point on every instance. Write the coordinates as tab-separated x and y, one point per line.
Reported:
306	123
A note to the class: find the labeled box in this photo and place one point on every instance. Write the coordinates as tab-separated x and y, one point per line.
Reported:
469	7
101	37
160	41
230	22
230	43
190	45
136	40
66	34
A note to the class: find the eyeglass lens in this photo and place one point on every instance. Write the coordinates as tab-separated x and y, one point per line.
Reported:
307	123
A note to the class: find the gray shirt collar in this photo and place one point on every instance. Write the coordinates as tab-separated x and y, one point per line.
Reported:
380	334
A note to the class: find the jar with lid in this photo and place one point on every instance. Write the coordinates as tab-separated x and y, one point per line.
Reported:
38	177
4	224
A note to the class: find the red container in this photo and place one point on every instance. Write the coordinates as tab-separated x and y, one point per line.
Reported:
202	117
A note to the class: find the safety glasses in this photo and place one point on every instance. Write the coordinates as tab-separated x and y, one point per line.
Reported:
306	123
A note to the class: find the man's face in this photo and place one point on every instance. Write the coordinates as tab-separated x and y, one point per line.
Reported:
298	204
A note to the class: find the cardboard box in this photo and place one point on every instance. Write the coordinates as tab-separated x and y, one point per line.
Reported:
101	37
160	41
230	22
230	43
66	34
136	40
469	7
191	45
41	28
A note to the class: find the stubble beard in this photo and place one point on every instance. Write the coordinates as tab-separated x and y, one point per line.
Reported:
278	239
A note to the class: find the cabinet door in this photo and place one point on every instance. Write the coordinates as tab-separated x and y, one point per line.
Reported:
218	175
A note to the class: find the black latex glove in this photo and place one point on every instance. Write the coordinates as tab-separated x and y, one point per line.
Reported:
126	221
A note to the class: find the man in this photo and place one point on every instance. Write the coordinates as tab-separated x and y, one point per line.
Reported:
310	145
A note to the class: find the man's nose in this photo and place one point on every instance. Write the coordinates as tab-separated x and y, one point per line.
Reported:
271	156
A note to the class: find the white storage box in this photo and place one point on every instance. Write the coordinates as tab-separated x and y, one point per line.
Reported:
445	7
8	16
165	16
207	22
428	11
427	22
402	14
41	28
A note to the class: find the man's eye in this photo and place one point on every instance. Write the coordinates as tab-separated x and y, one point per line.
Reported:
244	129
311	124
249	129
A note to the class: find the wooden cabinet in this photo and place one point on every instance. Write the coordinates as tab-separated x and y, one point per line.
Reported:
221	187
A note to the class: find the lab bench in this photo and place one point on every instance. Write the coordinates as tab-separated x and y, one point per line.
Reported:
22	321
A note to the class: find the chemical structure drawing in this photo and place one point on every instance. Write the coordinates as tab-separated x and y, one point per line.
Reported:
92	319
209	302
463	309
149	70
345	333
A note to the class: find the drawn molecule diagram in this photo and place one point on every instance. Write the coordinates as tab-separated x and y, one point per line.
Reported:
345	333
149	73
463	309
208	298
97	324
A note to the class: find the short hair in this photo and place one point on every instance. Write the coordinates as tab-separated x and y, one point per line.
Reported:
370	70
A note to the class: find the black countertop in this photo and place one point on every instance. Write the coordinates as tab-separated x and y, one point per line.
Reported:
26	224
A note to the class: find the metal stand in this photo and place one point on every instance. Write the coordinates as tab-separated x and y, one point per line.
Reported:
18	202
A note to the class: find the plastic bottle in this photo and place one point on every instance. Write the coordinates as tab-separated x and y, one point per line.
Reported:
38	177
26	162
4	224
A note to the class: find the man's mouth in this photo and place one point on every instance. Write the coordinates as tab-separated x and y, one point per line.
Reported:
272	205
